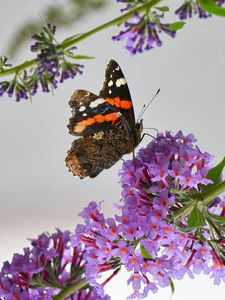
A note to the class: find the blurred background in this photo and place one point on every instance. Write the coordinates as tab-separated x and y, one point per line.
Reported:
37	192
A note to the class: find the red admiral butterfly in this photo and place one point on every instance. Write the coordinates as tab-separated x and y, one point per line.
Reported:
106	124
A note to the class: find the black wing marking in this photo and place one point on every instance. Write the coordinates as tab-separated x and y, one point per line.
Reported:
115	86
89	112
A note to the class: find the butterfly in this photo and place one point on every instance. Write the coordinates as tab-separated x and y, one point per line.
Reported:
105	124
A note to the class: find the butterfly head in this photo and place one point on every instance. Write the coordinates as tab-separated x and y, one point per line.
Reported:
138	129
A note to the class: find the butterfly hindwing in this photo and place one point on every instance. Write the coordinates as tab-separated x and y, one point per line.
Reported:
89	155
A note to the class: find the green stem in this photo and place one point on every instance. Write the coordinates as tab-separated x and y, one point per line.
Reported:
67	43
71	290
18	68
183	212
206	197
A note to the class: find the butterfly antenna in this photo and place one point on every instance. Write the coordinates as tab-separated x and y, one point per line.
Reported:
141	113
146	106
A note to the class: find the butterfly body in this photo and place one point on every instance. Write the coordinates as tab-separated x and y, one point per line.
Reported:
105	123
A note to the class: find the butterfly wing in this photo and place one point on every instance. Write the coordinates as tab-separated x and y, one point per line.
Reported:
106	124
92	114
90	155
115	90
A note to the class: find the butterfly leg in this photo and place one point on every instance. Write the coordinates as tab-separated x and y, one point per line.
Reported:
145	135
133	152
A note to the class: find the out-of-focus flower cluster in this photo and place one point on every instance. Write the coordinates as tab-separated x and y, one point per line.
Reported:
144	23
190	8
142	32
53	65
152	236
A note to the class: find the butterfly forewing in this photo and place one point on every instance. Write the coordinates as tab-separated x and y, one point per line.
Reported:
92	114
116	91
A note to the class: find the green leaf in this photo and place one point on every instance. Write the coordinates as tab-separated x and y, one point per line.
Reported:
196	218
185	229
176	26
71	38
135	243
211	7
172	285
163	8
215	173
220	219
82	57
145	253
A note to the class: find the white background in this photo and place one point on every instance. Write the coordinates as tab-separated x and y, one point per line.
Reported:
37	193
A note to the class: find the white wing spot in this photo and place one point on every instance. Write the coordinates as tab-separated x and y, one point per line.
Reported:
110	83
117	68
84	115
121	81
82	108
110	92
98	135
96	103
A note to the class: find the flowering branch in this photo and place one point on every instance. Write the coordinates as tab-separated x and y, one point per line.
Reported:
71	290
142	29
146	6
171	223
52	59
57	14
172	218
73	40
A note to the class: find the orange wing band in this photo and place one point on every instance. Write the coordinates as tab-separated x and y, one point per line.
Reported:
117	102
97	119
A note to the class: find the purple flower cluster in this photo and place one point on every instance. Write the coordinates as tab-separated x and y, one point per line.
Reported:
142	30
51	61
142	34
43	270
143	237
53	65
14	87
188	8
